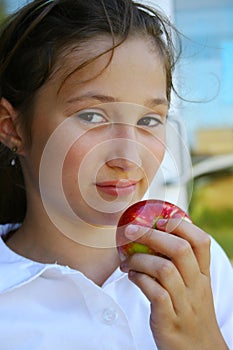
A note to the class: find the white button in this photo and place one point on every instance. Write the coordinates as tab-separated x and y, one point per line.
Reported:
109	316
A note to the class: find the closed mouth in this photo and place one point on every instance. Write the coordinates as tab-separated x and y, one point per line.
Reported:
118	187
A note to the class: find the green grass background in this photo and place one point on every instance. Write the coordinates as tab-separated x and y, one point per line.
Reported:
213	210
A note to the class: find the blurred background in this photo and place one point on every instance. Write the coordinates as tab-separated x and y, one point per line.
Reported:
203	118
206	75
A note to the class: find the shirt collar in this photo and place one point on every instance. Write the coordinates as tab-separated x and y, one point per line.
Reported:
16	270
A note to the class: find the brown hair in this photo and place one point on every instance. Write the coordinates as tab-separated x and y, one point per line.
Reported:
31	42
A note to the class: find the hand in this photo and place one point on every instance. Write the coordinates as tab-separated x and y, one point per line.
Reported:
177	283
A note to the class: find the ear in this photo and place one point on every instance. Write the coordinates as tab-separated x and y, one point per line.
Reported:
10	134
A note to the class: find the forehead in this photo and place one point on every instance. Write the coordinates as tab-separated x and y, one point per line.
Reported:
88	60
77	57
134	73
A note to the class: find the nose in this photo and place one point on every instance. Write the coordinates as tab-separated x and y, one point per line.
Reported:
125	149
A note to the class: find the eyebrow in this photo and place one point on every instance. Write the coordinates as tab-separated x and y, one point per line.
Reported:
105	98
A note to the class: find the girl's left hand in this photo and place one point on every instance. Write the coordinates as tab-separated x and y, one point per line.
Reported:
177	283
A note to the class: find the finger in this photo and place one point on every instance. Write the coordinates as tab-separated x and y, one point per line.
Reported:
177	249
198	239
163	271
157	295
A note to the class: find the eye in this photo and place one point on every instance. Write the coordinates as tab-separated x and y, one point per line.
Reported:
92	117
150	121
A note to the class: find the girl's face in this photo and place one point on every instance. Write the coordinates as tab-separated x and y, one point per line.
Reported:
98	140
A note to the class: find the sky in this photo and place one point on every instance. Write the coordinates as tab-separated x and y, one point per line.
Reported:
13	5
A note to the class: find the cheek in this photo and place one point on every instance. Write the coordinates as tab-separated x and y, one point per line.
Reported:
73	162
158	152
153	152
80	165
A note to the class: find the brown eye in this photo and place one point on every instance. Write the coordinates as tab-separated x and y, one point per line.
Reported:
92	117
149	121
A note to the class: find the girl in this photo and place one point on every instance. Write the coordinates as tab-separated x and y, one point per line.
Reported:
85	91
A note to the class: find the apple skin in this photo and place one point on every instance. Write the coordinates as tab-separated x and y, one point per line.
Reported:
144	213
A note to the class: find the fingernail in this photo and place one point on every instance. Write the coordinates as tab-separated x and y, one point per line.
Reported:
134	232
161	223
123	266
132	273
131	230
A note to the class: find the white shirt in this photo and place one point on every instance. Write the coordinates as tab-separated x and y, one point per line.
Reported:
48	306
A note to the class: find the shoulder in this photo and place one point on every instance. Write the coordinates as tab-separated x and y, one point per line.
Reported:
221	266
15	270
221	271
222	288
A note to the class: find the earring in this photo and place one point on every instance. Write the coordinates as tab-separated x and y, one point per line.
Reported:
14	150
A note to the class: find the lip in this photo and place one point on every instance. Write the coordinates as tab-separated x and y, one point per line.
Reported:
120	187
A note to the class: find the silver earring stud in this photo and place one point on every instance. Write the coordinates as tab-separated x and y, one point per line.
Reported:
13	160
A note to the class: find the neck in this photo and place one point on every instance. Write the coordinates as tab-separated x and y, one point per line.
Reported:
39	240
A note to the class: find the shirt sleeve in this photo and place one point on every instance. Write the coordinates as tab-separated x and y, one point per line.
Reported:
222	286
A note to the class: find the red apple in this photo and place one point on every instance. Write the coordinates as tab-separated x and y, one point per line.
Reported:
145	213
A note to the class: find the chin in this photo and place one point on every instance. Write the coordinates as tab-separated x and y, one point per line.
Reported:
104	211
